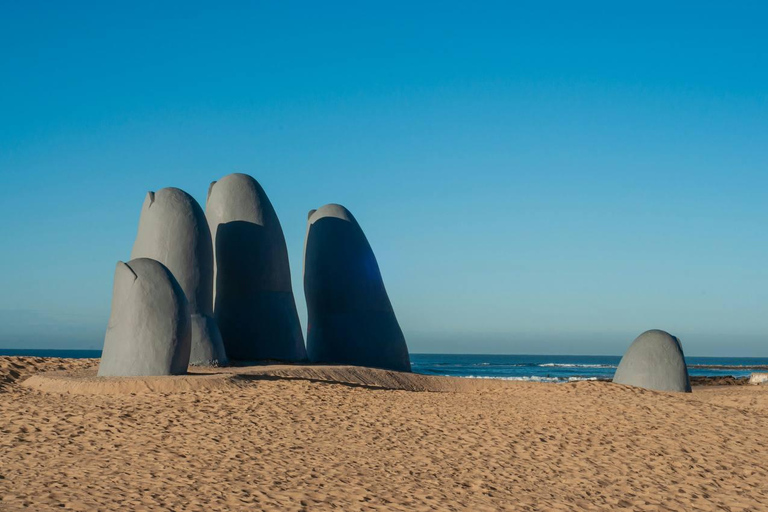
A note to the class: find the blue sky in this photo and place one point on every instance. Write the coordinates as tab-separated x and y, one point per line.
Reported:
544	177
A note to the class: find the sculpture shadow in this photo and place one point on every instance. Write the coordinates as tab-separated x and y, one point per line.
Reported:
254	305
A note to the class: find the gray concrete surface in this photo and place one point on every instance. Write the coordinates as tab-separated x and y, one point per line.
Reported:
351	320
655	361
253	298
173	230
149	327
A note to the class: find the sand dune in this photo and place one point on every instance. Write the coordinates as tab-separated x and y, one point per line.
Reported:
13	369
83	380
317	438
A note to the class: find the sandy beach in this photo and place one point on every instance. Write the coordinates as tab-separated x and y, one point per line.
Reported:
315	438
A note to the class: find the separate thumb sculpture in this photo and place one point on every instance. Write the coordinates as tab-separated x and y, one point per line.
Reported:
655	361
174	231
351	320
253	298
149	326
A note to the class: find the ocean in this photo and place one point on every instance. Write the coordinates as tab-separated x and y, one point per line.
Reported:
565	368
513	367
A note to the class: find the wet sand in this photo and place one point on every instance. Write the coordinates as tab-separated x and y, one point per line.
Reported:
318	438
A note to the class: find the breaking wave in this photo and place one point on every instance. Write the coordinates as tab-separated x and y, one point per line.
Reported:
574	365
534	378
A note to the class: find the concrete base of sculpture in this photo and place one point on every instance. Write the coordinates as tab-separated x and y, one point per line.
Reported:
232	380
207	346
149	326
351	320
655	360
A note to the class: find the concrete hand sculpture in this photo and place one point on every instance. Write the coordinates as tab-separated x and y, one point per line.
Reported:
149	326
655	361
351	320
173	230
253	298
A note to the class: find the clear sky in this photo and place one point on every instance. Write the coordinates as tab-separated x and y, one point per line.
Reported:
543	177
